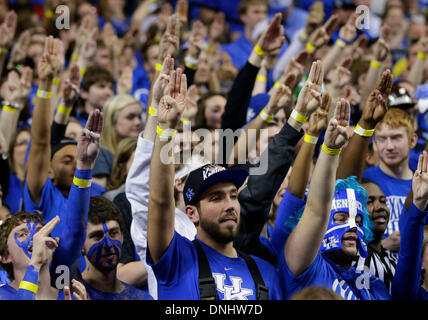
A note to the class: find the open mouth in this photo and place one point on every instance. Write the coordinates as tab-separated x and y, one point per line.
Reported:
380	218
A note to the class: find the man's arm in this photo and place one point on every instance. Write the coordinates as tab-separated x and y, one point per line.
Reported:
418	67
74	233
305	240
40	150
7	34
406	283
352	161
160	226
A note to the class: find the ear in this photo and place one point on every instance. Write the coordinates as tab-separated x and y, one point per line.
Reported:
193	214
179	185
413	140
5	260
51	174
84	94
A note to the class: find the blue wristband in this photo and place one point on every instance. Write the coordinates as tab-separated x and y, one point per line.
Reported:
32	275
83	174
344	40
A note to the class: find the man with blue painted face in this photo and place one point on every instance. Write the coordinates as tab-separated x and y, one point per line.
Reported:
102	250
331	232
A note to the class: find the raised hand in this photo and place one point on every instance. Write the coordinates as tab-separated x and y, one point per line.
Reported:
420	183
172	105
50	59
125	81
71	89
322	35
337	133
273	38
7	30
182	9
315	17
319	119
310	95
282	97
79	291
217	27
349	31
342	74
44	245
377	102
161	83
170	40
196	40
89	141
192	98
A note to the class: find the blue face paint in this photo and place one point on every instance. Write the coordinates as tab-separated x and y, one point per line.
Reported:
27	243
111	245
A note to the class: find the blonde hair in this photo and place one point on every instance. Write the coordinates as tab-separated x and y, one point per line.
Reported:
396	118
125	148
111	110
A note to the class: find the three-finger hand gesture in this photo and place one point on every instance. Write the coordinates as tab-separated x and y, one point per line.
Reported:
89	141
420	183
337	130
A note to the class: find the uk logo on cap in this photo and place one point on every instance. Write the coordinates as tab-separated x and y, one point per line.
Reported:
189	194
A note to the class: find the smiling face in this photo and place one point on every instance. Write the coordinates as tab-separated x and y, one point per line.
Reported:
350	238
128	123
219	212
377	207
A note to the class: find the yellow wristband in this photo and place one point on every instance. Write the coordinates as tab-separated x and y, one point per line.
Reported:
28	286
9	109
44	94
330	150
49	14
276	84
165	134
375	64
310	47
82	71
56	80
158	67
340	43
363	132
260	52
266	116
82	183
75	57
421	55
300	118
153	111
64	110
310	139
185	121
3	52
261	78
190	66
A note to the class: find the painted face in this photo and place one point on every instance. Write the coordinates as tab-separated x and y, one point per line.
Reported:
344	229
103	245
214	108
20	243
220	211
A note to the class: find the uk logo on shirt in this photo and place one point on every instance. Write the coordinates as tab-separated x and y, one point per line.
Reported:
234	291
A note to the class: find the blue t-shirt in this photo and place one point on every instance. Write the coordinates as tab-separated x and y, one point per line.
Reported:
53	203
395	190
129	293
177	274
348	284
15	194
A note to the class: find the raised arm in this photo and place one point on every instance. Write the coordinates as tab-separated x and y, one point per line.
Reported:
74	233
7	34
305	240
417	69
40	150
407	280
352	161
160	227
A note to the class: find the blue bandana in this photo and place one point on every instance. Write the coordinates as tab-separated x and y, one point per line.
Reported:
346	200
109	243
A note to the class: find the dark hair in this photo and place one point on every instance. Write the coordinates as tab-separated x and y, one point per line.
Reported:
102	210
95	74
200	121
6	228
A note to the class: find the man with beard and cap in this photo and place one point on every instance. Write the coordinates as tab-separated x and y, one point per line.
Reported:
209	267
329	235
